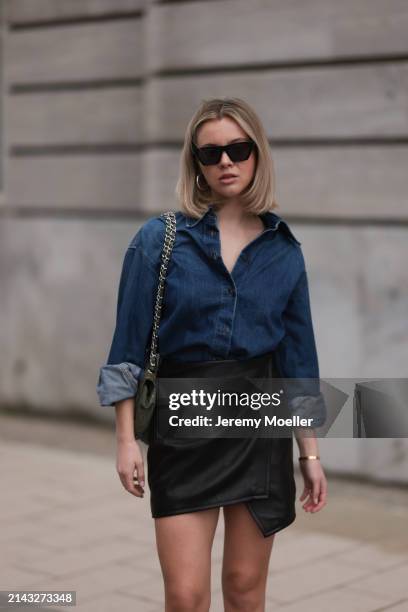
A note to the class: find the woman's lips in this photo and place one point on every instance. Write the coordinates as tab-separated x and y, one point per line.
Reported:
228	179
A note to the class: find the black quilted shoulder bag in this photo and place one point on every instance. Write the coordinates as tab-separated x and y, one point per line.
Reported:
145	400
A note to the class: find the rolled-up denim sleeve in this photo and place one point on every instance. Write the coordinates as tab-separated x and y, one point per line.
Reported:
119	376
296	355
117	382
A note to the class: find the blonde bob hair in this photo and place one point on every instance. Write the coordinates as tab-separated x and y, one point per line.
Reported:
259	196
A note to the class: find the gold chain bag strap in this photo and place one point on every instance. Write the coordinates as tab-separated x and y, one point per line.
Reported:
145	400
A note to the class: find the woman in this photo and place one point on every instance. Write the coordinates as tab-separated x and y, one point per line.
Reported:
236	303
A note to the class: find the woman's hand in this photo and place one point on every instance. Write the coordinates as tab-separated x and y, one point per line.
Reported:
315	488
129	459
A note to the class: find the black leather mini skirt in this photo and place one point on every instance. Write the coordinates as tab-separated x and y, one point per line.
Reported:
190	474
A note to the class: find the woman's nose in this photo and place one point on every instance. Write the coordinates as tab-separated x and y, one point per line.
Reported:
225	159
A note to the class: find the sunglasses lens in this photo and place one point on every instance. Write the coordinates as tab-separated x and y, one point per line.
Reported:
209	155
238	151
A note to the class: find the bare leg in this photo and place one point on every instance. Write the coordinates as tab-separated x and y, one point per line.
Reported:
184	544
246	559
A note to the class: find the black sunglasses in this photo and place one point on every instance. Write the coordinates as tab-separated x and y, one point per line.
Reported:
236	151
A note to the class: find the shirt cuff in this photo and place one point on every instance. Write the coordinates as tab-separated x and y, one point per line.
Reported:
117	382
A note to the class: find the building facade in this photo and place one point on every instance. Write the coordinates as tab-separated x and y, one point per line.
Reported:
95	98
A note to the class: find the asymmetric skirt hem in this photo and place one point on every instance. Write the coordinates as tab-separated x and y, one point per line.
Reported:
219	504
285	522
282	525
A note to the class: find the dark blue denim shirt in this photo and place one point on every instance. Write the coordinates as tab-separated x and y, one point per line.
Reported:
209	313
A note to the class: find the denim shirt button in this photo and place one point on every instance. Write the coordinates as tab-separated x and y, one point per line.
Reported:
214	254
231	290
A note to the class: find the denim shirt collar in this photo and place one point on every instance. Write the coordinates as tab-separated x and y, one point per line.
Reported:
272	221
